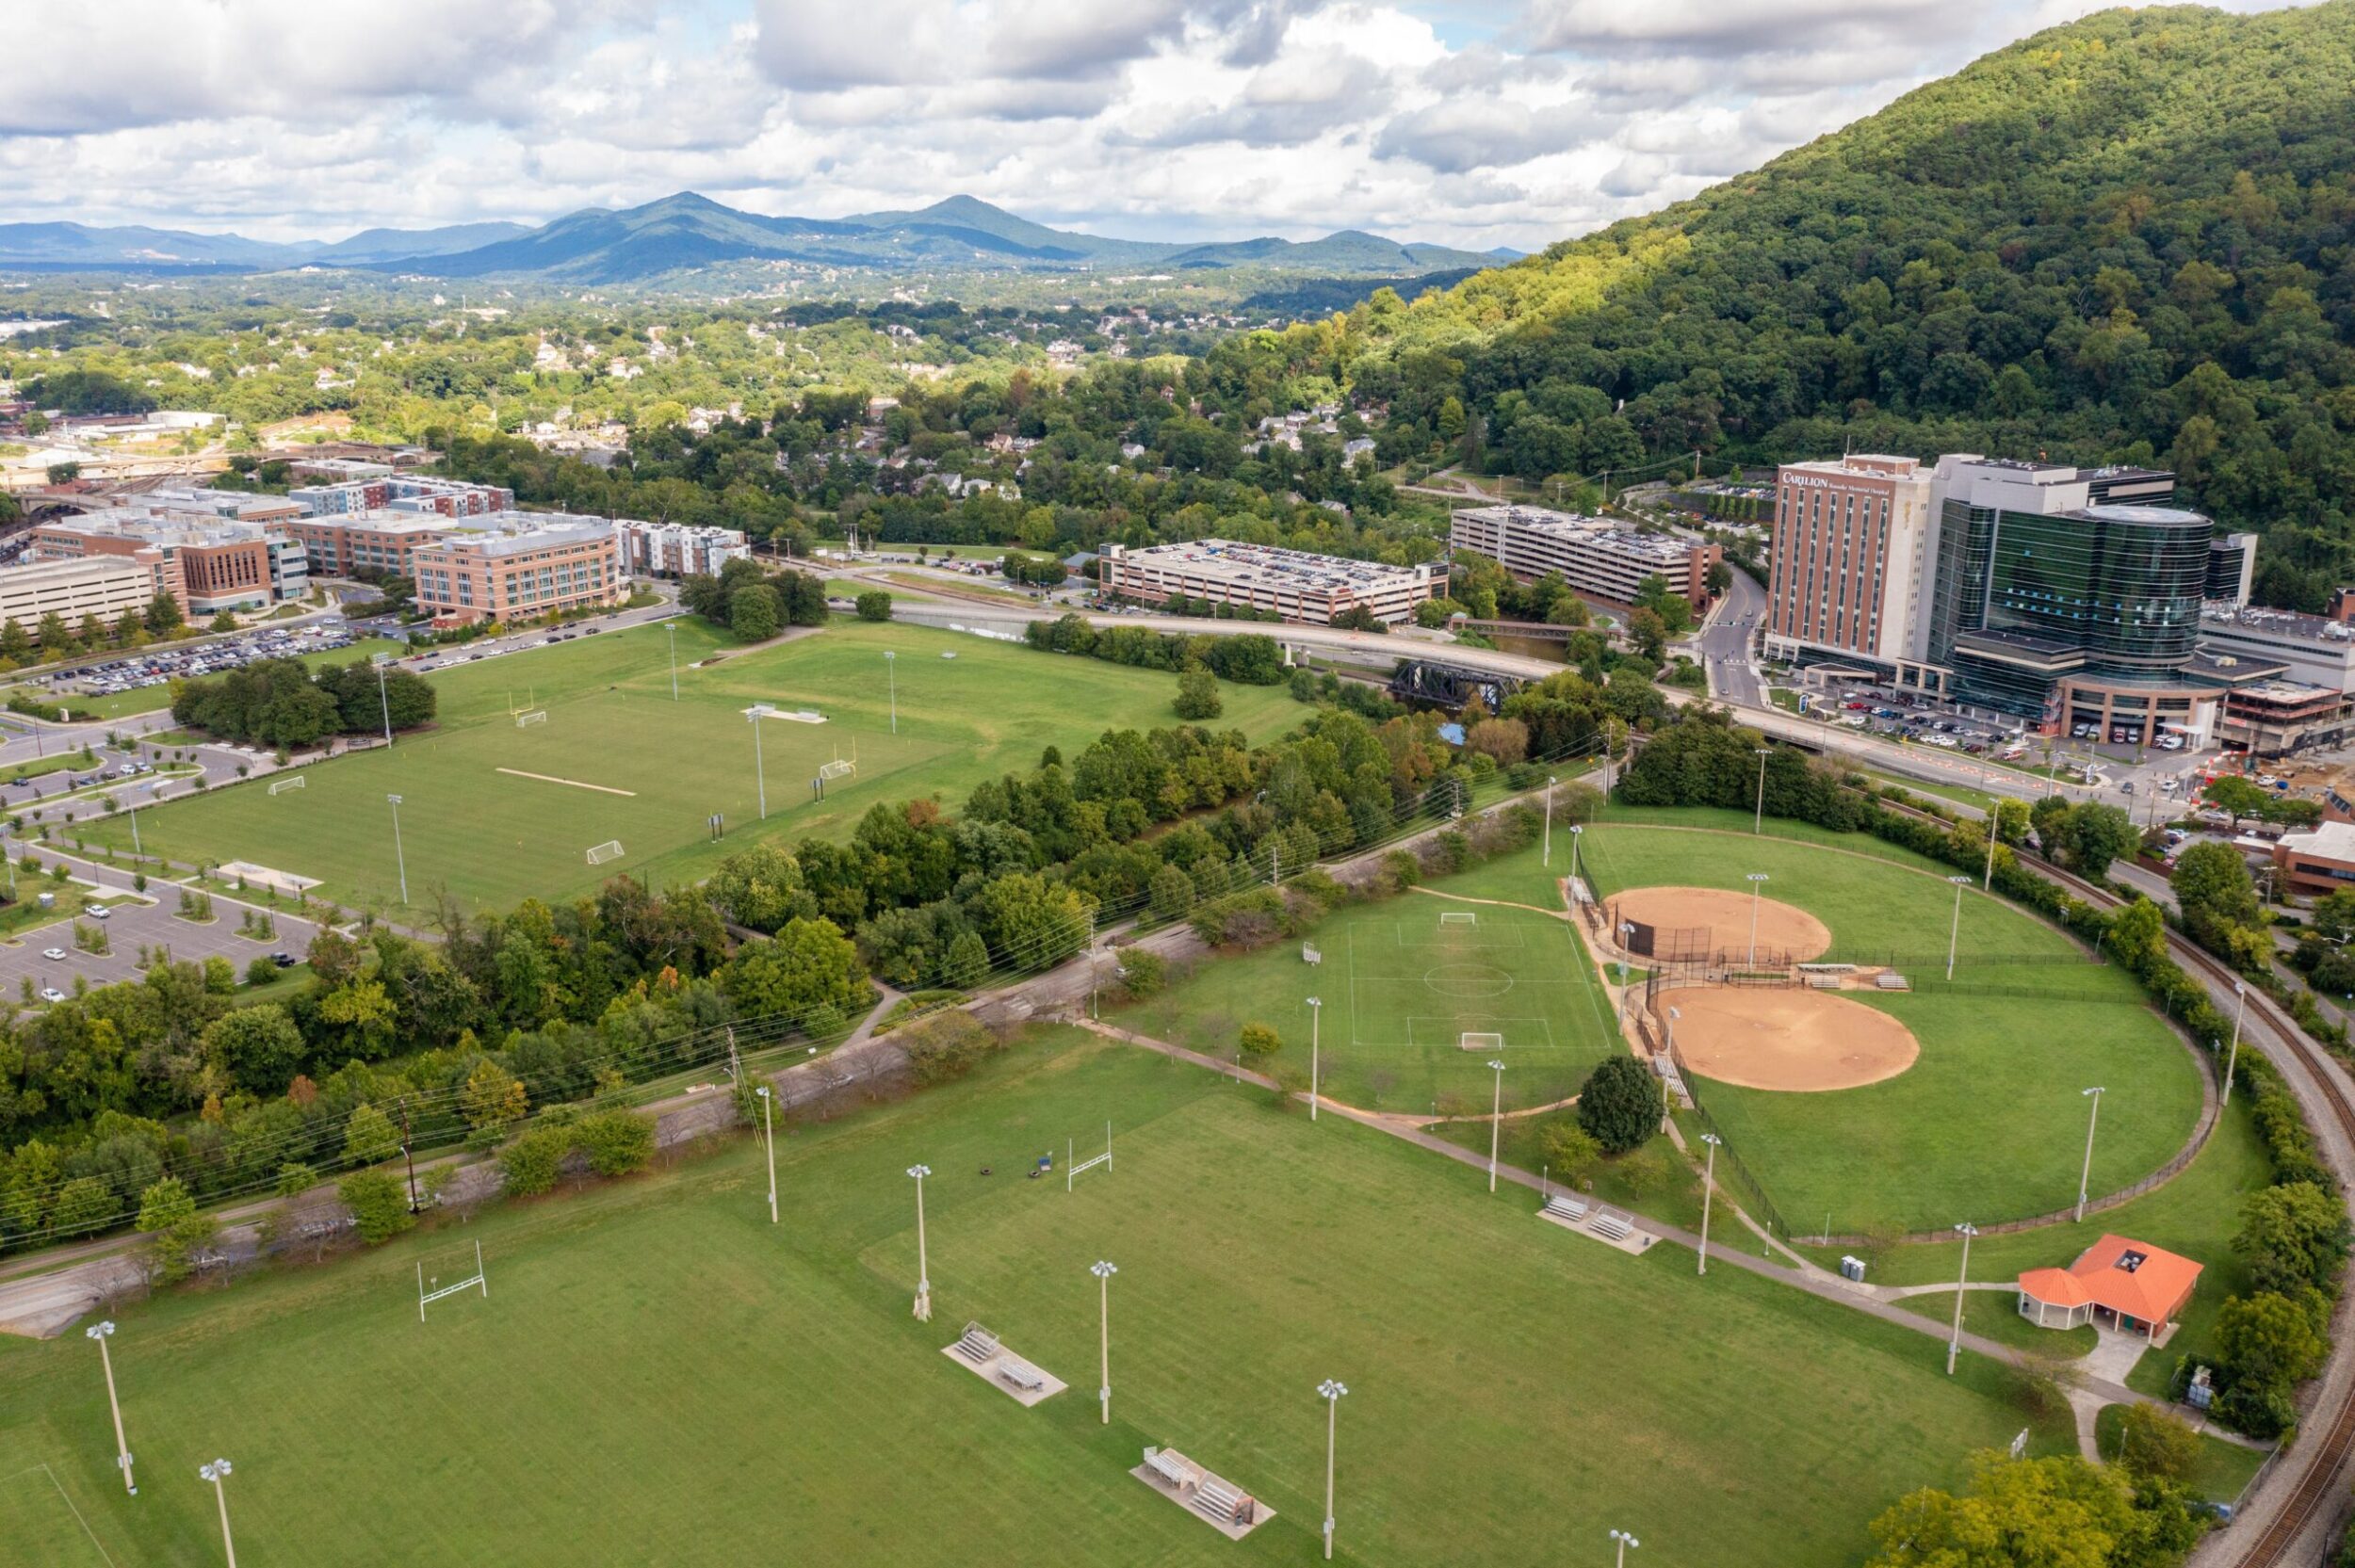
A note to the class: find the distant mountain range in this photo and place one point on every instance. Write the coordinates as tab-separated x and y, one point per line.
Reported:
685	232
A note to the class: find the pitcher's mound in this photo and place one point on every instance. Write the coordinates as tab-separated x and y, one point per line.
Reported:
1675	914
1797	1040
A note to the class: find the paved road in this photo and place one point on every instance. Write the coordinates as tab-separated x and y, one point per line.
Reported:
1727	639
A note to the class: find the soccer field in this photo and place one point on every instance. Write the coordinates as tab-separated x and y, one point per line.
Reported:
660	1375
1403	982
494	813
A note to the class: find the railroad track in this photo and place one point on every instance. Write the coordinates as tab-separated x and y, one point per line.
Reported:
2322	1457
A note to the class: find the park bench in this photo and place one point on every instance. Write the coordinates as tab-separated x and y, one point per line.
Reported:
1611	1225
1562	1206
978	1346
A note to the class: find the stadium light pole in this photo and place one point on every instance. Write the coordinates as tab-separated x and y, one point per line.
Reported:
1758	819
1496	1123
891	673
382	700
101	1332
768	1137
1954	930
2240	989
1954	1344
1994	819
1758	881
1709	1188
400	858
2084	1177
760	775
1316	1017
1332	1391
1675	1017
923	1271
1578	835
1624	1542
1545	857
672	627
218	1472
1104	1272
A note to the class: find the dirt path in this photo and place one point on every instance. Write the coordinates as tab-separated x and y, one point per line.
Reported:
1499	903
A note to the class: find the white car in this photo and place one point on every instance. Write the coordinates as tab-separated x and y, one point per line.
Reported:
99	912
52	952
51	994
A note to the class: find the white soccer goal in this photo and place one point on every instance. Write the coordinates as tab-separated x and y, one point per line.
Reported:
1458	917
429	1291
1480	1041
537	716
295	783
1073	1166
609	849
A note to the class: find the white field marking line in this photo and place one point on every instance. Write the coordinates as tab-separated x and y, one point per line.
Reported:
550	778
63	1498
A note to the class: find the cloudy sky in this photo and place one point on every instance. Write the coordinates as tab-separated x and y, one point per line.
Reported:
1476	123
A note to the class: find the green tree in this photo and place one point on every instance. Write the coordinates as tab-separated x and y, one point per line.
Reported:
85	1204
1569	1150
762	887
2294	1237
2057	1511
2213	889
616	1142
258	1046
1621	1104
1258	1042
2098	835
2156	1442
1649	634
163	615
370	1136
2236	798
178	1232
492	1098
873	605
967	962
807	965
379	1203
1198	696
2269	1340
753	613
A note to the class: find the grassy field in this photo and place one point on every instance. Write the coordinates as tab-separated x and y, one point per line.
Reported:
659	1375
660	768
1398	988
1987	1124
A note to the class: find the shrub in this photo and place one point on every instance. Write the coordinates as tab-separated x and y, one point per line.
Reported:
617	1142
1143	972
378	1204
530	1164
946	1045
1259	1042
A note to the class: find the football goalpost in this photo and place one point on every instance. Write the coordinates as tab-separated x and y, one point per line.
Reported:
1072	1166
531	717
295	783
1471	1042
609	849
478	1280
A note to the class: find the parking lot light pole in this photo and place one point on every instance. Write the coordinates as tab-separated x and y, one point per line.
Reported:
760	776
1624	1540
1709	1188
2084	1177
672	627
1954	1344
2240	989
1954	930
1758	881
1496	1123
101	1332
768	1137
399	859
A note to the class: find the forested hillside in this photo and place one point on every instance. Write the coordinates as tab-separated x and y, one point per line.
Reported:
2125	238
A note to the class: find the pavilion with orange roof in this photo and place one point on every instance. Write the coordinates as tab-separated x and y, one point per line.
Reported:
2117	1283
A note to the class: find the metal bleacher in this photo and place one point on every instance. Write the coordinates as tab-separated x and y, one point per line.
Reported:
1562	1206
977	1345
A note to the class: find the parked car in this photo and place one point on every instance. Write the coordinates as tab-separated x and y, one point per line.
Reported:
51	994
52	953
99	912
283	961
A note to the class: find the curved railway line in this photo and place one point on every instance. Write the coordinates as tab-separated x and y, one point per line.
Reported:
2312	1478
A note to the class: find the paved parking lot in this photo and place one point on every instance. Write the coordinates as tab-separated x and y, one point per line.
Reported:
133	923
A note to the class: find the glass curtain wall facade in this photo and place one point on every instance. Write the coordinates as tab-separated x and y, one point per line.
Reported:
2121	583
1966	536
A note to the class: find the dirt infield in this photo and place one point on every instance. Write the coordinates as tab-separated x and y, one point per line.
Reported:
1781	928
1798	1040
